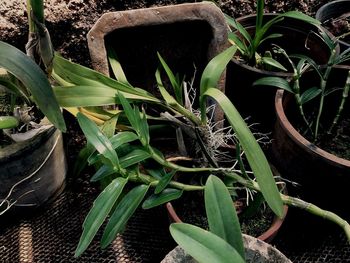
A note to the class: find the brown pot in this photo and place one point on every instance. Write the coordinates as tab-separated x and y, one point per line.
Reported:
258	102
267	236
323	177
187	36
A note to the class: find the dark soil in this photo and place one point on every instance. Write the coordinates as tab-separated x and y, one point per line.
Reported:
69	21
338	143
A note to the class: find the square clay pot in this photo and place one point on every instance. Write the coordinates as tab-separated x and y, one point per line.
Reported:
186	35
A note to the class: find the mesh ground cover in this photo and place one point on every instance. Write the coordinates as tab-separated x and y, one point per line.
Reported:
51	236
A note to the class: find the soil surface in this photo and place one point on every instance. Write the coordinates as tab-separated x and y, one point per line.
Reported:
69	20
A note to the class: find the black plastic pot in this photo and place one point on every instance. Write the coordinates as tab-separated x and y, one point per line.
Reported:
33	171
333	10
258	102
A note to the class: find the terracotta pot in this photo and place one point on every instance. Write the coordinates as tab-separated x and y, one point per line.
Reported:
258	102
39	164
267	236
323	177
256	251
187	36
333	10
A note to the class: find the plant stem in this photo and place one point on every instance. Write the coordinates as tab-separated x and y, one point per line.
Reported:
342	103
37	7
323	89
313	209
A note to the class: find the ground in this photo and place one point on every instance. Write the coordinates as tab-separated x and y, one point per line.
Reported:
69	20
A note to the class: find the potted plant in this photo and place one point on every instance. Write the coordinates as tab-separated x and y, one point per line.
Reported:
33	163
134	171
224	239
309	127
258	38
32	159
335	17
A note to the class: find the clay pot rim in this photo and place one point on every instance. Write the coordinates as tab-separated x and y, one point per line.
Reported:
267	236
299	139
266	72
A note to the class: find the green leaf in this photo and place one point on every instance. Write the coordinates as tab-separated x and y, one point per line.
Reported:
94	135
103	172
177	87
134	157
212	74
310	94
167	195
98	213
236	25
122	213
116	66
83	96
82	159
164	181
122	138
300	16
259	14
34	79
202	245
237	41
222	216
277	82
8	122
272	62
255	156
77	75
108	127
272	36
165	94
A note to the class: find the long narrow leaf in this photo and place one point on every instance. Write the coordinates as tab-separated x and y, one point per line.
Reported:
222	217
116	66
276	82
174	83
134	157
212	74
164	181
97	139
98	213
202	245
253	152
122	138
122	213
167	195
34	79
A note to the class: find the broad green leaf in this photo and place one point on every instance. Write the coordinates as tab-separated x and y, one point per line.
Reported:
165	94
272	62
177	87
255	156
122	138
167	195
222	216
108	127
116	66
212	74
164	181
102	172
310	94
134	157
232	22
83	96
8	122
98	213
77	74
237	41
94	135
202	245
34	79
300	16
277	82
122	213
